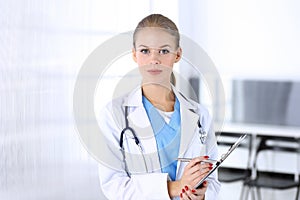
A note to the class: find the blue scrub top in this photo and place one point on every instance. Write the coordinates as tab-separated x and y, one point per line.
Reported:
167	136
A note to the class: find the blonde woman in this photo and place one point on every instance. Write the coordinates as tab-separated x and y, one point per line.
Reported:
149	128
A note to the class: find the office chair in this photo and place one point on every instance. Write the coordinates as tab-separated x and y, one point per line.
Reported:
229	174
274	179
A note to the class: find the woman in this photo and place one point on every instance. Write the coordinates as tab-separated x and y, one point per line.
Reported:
164	125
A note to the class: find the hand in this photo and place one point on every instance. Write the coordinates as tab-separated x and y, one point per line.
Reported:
194	194
195	171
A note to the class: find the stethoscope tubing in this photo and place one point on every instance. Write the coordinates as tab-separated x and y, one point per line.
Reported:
202	134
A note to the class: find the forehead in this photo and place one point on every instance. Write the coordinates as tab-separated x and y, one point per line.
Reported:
154	37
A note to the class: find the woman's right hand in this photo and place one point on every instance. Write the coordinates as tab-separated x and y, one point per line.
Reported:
195	171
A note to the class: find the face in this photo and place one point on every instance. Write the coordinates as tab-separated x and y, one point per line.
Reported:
155	53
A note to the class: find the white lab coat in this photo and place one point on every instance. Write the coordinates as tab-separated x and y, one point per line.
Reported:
149	183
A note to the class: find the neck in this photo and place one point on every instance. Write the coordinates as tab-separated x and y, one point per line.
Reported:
161	97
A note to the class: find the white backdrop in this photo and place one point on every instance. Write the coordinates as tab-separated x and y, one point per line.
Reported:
44	43
42	47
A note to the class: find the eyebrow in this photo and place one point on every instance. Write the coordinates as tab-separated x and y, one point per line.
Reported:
166	45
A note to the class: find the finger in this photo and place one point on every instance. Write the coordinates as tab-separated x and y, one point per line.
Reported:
206	169
194	168
193	196
197	176
184	196
199	167
204	185
201	171
190	193
204	166
193	172
197	160
201	191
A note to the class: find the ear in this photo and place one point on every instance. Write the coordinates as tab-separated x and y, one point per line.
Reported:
134	54
178	54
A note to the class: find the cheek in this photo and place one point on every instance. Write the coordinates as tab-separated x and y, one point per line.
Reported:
169	62
141	60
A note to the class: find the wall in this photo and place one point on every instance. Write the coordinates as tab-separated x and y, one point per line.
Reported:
247	40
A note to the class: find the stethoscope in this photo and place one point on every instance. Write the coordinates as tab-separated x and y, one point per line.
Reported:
202	136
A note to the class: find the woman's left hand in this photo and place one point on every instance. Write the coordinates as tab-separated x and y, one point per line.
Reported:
194	194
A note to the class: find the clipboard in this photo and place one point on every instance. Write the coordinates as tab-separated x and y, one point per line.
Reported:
222	159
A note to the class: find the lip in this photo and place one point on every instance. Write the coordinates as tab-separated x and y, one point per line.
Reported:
154	71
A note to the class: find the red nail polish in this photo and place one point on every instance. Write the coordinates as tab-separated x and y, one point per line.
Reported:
206	156
186	187
180	195
193	191
210	167
183	191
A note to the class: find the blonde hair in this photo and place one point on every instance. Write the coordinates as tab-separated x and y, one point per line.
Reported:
159	21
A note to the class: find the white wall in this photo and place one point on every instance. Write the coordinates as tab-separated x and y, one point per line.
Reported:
249	38
246	39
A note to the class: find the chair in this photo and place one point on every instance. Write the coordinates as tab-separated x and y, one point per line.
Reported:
274	179
230	174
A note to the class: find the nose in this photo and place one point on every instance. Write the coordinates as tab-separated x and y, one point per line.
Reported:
154	58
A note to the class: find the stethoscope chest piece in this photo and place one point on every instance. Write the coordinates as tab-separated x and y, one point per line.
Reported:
202	133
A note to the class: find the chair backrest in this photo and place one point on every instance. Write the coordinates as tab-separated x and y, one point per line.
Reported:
279	144
226	139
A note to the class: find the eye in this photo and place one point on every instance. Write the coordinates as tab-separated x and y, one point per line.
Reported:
164	51
145	51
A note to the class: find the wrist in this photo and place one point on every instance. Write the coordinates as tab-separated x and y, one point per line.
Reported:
174	188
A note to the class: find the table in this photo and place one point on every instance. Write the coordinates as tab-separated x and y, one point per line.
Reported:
259	130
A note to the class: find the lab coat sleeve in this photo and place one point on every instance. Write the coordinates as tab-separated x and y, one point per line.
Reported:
114	180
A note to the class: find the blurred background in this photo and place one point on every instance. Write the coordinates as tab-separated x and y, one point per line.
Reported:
254	45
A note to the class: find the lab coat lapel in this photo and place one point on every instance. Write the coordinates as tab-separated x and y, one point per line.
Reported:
140	123
189	121
137	114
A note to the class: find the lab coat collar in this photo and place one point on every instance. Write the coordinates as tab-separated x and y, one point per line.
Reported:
187	104
134	99
188	111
